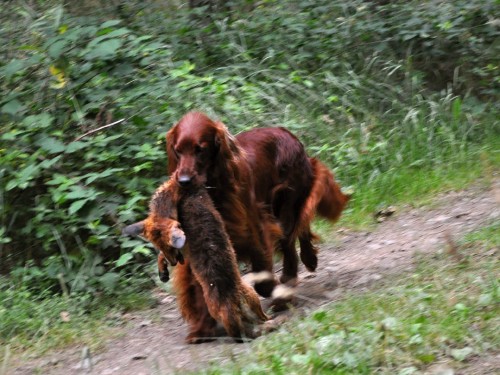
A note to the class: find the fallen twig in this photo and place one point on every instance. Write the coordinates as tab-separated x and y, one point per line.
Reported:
452	247
100	128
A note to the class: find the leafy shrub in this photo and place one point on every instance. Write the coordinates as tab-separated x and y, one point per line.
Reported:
356	81
67	196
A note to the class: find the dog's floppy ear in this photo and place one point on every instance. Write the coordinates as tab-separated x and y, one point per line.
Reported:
172	157
135	229
228	154
225	141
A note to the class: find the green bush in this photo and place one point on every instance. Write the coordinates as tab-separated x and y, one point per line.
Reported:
371	89
67	196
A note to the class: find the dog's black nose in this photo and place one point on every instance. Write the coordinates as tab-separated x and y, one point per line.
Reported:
184	180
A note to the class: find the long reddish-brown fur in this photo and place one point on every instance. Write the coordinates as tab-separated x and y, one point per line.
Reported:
208	283
253	178
214	266
294	188
326	199
203	152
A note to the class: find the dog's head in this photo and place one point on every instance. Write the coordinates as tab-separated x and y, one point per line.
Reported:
196	147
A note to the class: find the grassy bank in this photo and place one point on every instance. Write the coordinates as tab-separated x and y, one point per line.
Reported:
37	322
446	311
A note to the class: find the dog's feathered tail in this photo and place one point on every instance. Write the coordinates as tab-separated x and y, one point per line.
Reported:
325	198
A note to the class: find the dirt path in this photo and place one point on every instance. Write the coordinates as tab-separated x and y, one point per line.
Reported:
152	343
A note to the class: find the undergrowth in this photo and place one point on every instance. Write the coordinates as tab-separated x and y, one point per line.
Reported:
35	320
356	82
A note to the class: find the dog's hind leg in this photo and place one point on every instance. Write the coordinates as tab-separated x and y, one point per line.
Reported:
308	251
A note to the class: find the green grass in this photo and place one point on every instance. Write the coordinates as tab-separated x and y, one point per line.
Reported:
444	311
417	187
33	323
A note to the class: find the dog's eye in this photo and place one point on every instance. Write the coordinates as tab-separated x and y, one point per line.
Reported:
199	149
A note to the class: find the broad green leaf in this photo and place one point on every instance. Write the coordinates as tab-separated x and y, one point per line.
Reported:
141	250
118	33
110	23
78	192
42	120
131	243
3	237
51	145
104	50
55	49
23	177
10	136
13	67
76	206
138	40
104	31
12	107
59	179
74	146
29	172
11	185
124	259
91	177
50	162
130	203
112	34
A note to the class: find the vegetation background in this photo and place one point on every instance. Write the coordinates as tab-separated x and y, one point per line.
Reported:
400	98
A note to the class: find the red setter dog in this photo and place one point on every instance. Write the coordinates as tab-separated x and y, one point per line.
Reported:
294	188
203	152
253	178
208	283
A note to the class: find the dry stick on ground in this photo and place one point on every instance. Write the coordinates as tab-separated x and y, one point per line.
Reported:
100	128
452	247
